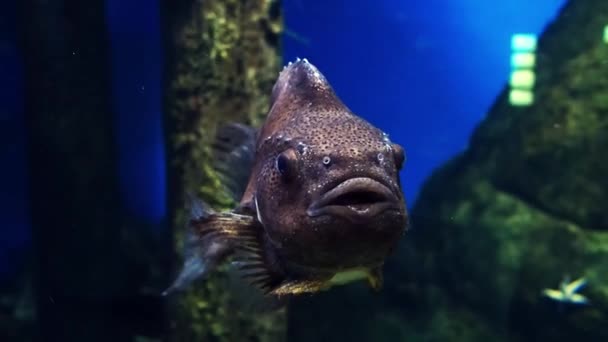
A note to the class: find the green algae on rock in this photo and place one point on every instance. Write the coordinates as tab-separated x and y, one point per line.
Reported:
223	62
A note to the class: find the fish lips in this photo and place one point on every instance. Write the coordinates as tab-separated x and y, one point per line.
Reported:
357	199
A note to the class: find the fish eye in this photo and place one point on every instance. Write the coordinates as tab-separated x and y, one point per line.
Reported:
285	163
380	157
281	164
399	155
326	160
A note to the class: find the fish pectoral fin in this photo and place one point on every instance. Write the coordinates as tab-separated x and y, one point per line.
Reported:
295	287
554	294
255	264
575	286
251	260
233	157
208	242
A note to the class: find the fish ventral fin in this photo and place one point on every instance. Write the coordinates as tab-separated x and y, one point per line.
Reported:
233	157
208	242
297	287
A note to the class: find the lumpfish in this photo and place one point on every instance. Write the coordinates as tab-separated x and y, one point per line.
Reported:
321	202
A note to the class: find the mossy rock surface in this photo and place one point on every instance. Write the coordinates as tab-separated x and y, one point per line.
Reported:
552	154
525	206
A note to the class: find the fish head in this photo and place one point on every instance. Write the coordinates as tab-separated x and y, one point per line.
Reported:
328	191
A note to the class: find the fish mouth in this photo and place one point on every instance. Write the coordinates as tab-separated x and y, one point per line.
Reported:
356	199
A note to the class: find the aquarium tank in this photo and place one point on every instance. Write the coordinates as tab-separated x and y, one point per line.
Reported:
303	170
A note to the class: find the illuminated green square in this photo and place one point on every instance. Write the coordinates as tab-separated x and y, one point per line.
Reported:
520	98
606	34
523	60
523	42
522	79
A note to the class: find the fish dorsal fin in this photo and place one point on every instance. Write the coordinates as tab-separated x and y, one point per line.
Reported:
301	85
298	76
234	153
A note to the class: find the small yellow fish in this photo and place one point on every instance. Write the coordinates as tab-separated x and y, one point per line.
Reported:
567	292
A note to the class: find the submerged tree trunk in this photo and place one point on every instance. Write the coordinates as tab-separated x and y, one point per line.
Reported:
222	61
74	190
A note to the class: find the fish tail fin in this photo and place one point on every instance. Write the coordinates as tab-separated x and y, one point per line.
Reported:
192	269
208	242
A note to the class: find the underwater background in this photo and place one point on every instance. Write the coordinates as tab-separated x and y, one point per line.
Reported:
108	108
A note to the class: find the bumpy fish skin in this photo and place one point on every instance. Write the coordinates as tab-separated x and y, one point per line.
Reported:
323	198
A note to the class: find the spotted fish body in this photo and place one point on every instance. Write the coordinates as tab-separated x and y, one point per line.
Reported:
323	204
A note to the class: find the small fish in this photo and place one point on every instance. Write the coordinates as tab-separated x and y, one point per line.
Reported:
567	292
321	202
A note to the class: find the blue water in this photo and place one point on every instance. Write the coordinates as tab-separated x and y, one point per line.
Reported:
136	57
426	72
14	218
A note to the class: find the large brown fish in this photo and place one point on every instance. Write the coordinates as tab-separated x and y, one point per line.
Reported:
323	204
